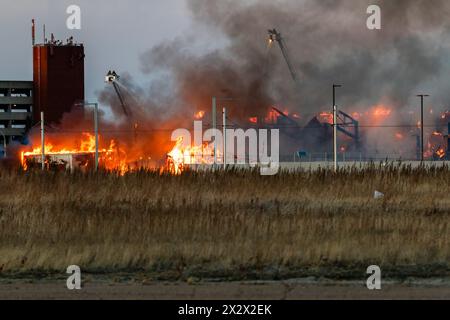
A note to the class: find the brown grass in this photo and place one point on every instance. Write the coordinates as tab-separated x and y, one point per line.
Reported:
233	224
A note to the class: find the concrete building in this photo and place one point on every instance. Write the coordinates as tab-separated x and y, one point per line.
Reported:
16	110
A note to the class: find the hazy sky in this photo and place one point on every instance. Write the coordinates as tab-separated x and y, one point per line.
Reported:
115	33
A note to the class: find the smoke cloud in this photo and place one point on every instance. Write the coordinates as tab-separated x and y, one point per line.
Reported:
327	41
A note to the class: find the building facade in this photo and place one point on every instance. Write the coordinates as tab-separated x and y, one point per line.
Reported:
58	76
16	110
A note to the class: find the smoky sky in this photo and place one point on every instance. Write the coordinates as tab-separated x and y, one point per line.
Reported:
114	33
175	55
327	41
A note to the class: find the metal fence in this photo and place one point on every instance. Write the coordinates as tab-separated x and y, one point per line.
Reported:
349	157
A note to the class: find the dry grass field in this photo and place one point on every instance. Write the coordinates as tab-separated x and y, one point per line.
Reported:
228	225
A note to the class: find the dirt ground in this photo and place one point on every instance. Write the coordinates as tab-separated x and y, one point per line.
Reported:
277	290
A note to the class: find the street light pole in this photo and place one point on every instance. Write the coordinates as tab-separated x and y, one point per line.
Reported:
95	105
334	92
335	151
42	142
421	96
214	120
224	121
96	134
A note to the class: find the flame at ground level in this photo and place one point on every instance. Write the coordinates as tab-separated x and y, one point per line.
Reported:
81	154
110	158
131	153
184	154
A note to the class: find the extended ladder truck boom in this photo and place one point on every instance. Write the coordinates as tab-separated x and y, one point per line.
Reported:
274	35
112	77
346	121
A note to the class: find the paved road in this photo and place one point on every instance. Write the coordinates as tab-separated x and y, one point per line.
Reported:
289	290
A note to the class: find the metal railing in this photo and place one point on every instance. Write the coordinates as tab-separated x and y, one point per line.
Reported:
350	157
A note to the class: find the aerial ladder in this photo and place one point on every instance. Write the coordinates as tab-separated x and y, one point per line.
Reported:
275	36
345	122
112	77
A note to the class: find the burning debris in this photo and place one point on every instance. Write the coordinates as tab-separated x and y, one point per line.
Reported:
77	156
264	96
182	156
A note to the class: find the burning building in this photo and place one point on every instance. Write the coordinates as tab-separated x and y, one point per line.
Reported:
375	124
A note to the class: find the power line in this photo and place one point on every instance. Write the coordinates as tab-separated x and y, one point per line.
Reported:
234	125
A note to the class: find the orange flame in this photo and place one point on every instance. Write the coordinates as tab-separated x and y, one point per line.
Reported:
199	115
111	158
271	117
326	117
182	156
381	111
440	153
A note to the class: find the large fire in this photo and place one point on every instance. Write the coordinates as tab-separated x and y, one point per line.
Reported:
381	111
79	151
184	155
111	158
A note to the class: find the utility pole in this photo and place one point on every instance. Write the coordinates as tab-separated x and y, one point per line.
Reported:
214	124
96	134
95	105
335	151
42	142
224	113
421	96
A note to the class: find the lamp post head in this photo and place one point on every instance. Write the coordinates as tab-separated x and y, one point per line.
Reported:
85	104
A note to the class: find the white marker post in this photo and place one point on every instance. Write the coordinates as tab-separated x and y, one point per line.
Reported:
224	111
